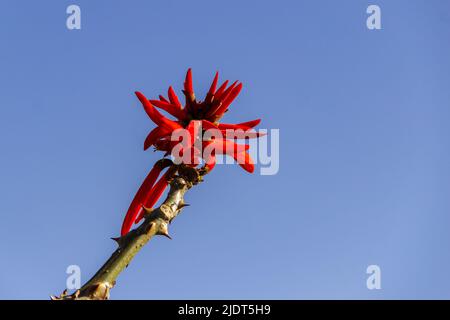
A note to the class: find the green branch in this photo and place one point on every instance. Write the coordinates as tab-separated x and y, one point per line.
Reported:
156	222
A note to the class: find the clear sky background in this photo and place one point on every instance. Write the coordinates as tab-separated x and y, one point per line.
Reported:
364	153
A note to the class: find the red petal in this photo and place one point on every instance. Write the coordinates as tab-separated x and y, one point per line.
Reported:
136	204
188	82
225	94
212	89
194	129
162	98
154	136
155	115
240	156
247	163
174	98
224	106
163	144
170	108
221	89
239	134
189	92
210	162
153	196
228	147
207	125
243	125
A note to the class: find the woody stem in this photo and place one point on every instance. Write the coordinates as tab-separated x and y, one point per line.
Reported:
155	223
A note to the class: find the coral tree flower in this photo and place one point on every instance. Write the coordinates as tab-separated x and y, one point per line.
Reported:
195	117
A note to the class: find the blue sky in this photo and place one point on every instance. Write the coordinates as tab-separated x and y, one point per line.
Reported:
364	147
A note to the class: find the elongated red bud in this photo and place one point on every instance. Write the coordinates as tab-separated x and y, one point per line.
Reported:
251	123
136	204
163	99
153	196
225	94
241	134
207	125
155	135
163	145
243	125
189	92
155	115
212	89
210	162
170	108
224	106
228	147
174	98
194	130
221	89
245	161
188	87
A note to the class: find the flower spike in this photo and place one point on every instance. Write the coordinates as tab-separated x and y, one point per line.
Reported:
196	117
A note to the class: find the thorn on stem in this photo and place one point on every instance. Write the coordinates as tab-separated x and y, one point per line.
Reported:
147	210
164	231
167	235
118	240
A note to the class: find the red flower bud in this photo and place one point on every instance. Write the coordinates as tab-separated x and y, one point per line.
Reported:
155	135
154	114
174	98
136	205
190	117
163	99
170	108
153	196
244	125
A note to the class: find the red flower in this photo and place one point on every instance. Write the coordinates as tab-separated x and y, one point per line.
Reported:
194	114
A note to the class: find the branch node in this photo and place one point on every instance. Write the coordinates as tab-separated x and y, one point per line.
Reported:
155	223
118	240
182	205
147	210
149	228
163	230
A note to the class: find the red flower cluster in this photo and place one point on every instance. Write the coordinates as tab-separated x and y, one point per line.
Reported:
194	118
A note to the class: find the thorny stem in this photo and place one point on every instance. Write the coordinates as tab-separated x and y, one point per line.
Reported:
155	223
